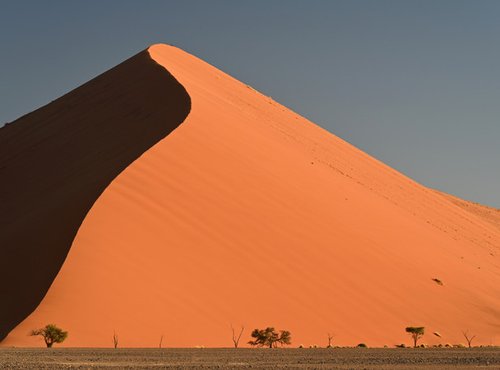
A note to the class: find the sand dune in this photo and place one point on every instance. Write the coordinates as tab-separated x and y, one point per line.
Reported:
248	214
56	161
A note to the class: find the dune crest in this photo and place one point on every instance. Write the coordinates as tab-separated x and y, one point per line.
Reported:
250	214
489	214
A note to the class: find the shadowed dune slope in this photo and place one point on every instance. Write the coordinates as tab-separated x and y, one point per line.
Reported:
57	160
249	214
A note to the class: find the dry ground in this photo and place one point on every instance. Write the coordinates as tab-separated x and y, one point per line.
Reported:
345	358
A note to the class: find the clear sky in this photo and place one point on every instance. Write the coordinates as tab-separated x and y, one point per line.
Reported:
414	83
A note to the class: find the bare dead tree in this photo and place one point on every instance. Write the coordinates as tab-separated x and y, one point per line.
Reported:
161	340
468	337
115	339
330	338
236	338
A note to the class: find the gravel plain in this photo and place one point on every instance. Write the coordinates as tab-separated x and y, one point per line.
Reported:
225	358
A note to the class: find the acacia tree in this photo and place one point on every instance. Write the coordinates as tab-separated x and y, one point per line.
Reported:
236	337
468	337
416	333
285	338
51	334
269	337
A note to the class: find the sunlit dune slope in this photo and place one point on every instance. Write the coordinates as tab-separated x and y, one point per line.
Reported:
248	214
492	215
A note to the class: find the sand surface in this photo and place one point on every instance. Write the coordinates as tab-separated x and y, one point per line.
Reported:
249	214
489	214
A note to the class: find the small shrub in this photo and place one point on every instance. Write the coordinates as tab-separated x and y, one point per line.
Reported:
402	345
362	345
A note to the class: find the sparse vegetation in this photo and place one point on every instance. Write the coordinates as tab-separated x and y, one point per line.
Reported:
330	338
115	340
469	338
416	333
236	337
51	334
269	337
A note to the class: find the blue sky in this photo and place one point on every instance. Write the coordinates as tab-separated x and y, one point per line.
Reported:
414	83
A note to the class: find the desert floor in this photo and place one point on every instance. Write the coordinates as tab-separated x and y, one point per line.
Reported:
341	358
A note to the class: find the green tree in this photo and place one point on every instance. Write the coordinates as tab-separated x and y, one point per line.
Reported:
269	337
285	337
51	334
416	333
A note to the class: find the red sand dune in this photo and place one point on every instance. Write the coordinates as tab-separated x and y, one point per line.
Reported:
56	161
249	214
